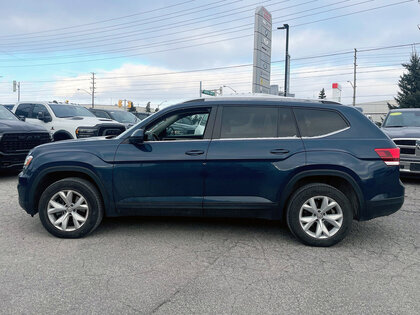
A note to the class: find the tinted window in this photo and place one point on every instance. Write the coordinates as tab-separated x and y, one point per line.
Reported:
287	125
407	118
249	122
318	122
100	114
39	108
23	110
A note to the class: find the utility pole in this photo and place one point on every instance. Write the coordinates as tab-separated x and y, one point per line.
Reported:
201	88
286	60
354	77
93	89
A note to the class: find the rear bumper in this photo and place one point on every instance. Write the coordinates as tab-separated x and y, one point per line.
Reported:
383	207
410	166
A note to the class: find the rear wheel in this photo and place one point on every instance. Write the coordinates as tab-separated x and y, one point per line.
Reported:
319	215
70	208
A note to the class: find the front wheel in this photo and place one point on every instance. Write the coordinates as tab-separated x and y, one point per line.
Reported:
70	208
319	215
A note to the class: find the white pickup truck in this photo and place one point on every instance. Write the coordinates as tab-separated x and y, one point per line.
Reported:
67	121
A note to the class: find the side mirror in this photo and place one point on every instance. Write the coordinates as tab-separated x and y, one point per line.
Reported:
22	118
43	117
137	137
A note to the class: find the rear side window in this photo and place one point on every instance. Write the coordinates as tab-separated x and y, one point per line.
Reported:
287	125
23	110
249	122
101	114
318	122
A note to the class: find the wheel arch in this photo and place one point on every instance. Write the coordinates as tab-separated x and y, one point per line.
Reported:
51	175
64	133
338	179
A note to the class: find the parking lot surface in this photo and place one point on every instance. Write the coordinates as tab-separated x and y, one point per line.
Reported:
178	265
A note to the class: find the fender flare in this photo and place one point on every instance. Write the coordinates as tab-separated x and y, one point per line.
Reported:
108	204
62	131
287	192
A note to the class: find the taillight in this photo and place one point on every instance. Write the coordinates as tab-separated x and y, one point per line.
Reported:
389	156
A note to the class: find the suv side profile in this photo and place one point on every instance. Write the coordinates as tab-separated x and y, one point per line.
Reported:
315	165
66	121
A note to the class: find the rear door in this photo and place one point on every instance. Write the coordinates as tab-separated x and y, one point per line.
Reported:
253	153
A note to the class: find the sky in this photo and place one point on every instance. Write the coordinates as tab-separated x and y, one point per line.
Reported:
160	50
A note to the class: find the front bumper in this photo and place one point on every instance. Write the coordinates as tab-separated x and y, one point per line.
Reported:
12	160
410	165
23	192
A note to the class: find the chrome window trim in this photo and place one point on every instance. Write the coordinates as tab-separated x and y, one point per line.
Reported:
327	134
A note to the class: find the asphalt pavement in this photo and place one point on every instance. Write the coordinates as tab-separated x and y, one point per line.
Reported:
207	266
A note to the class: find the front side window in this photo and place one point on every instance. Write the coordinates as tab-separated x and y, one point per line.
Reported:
63	111
319	122
179	126
249	122
39	108
24	110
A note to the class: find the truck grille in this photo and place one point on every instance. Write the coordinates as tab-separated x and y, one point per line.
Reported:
407	146
22	142
110	130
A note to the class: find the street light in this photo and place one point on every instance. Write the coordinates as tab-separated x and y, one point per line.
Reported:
231	88
160	104
287	59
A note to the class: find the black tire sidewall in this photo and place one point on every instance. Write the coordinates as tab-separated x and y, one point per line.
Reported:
88	191
312	190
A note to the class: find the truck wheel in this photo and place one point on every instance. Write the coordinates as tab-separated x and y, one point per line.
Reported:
71	208
319	215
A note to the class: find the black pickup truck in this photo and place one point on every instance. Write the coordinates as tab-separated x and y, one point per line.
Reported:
403	127
17	138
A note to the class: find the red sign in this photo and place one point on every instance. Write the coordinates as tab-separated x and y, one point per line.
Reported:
335	85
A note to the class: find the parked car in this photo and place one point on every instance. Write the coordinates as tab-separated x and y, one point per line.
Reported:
8	106
141	116
126	118
403	127
318	166
67	121
17	138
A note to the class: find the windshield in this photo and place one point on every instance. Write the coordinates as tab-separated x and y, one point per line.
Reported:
5	114
63	111
406	118
123	117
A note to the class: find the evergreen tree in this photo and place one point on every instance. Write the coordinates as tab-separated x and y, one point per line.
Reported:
409	84
148	110
322	94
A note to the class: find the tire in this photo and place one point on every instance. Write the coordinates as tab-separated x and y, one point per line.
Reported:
306	211
76	220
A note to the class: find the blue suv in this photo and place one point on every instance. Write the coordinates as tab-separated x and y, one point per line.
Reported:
317	165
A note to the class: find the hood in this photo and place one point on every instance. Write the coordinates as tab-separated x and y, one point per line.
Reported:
18	126
91	121
402	132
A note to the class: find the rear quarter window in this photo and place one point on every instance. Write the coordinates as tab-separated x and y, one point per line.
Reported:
319	122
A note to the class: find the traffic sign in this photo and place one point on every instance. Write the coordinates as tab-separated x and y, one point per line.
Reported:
208	92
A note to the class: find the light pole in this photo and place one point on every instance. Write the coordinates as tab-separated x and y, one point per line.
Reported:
87	93
161	104
227	86
287	59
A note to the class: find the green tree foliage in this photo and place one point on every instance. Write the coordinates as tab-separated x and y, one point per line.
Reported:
409	85
322	94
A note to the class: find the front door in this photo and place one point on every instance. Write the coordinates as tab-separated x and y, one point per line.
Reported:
164	175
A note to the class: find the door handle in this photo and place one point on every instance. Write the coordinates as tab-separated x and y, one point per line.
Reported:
279	151
194	152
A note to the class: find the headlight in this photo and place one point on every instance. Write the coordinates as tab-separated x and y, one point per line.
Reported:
85	132
28	161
